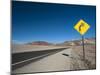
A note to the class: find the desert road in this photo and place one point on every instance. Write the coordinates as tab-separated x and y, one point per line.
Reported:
39	61
47	59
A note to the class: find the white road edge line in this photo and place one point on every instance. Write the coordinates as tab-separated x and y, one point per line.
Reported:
30	59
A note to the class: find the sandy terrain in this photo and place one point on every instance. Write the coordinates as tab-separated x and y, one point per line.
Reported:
59	62
77	54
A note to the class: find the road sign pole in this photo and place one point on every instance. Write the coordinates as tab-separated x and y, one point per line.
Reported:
83	47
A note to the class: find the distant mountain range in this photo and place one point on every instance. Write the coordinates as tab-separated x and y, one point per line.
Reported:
40	43
79	42
68	43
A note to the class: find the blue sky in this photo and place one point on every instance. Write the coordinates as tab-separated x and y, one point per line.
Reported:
53	23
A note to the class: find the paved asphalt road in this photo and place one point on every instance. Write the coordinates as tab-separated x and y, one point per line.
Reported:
17	57
54	62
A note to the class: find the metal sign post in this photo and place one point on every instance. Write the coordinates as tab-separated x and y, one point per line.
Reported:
83	48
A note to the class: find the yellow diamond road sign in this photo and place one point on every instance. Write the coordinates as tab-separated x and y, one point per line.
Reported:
82	27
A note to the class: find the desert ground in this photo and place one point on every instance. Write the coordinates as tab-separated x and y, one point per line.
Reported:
70	58
77	57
